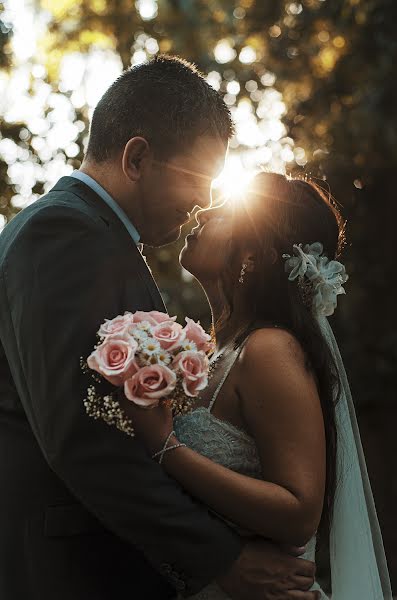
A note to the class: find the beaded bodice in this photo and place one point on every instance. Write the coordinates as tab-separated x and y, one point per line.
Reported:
219	441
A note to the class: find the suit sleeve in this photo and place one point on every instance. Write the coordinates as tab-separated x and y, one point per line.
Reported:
60	282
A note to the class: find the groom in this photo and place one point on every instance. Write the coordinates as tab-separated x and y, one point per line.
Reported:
84	511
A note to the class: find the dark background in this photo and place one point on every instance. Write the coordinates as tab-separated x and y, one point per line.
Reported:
334	63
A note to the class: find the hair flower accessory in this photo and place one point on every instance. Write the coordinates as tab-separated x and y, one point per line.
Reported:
326	277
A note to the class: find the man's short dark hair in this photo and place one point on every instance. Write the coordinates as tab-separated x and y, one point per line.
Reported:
165	100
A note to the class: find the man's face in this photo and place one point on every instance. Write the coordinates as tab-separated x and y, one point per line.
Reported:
169	190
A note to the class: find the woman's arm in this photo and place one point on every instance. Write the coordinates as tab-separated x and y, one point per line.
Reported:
282	410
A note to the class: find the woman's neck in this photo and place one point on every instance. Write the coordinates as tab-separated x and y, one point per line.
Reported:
234	324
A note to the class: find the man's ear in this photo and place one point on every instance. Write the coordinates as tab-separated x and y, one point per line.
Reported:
136	153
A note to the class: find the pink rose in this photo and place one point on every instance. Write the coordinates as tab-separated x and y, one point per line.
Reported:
149	384
169	334
114	359
160	317
195	333
118	325
194	369
153	317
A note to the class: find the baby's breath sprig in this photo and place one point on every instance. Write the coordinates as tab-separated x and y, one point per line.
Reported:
108	409
87	371
84	367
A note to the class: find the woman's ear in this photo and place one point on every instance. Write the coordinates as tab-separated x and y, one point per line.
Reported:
136	153
249	261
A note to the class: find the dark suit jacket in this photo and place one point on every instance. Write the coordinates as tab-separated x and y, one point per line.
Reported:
84	511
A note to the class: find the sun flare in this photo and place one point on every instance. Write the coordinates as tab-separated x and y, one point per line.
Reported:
233	181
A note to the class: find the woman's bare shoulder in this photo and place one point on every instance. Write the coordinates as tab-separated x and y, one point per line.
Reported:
268	347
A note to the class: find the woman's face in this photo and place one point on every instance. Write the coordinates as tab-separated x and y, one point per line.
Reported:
207	247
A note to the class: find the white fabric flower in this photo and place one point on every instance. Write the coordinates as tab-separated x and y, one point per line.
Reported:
326	276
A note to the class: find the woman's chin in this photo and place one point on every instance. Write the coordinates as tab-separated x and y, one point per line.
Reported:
197	262
185	259
189	260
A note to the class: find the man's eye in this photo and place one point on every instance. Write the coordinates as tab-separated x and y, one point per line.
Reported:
198	179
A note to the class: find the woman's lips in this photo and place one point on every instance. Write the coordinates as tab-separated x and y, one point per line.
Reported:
193	235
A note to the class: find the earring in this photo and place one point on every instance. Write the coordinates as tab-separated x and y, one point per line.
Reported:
242	273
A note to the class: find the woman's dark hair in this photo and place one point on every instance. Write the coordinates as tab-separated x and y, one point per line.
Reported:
165	100
279	212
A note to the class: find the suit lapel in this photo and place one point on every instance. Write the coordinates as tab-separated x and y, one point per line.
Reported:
138	263
132	253
151	283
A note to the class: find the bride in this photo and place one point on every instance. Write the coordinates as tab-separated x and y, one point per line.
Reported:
273	445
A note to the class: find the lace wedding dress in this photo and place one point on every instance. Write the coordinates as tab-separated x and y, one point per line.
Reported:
231	447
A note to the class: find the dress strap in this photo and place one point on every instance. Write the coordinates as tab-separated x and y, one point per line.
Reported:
225	376
229	368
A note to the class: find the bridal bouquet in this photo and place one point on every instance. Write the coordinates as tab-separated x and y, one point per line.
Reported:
152	360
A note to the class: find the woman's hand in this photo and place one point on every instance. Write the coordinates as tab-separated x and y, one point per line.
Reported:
151	425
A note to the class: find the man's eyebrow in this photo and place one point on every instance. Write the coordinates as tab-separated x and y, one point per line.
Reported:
199	174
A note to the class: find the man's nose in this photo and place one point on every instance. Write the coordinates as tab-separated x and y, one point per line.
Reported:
204	199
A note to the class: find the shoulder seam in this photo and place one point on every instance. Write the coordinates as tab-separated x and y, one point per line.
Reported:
63	205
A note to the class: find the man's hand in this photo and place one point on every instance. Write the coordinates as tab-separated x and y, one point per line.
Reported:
265	572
